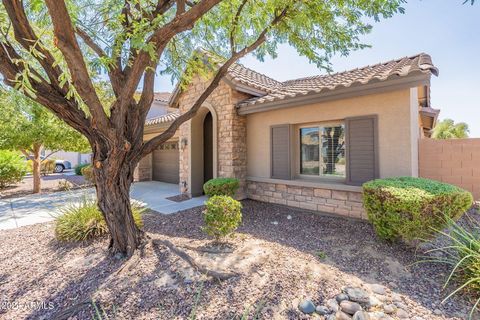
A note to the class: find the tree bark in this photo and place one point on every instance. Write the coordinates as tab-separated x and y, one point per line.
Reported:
36	169
113	174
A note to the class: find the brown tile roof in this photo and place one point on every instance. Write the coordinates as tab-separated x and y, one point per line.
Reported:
166	118
241	74
162	96
430	110
421	63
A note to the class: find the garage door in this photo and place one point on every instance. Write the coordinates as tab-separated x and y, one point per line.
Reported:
166	163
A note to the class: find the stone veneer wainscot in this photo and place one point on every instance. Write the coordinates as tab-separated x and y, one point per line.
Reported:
346	202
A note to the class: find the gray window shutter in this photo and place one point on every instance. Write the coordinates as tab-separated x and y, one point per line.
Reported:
362	149
280	151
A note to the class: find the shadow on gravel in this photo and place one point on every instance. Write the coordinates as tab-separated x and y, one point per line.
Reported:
78	291
349	245
159	288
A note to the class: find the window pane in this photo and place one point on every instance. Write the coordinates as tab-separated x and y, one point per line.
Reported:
333	151
309	151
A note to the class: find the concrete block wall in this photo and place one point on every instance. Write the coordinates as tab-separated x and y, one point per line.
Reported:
454	161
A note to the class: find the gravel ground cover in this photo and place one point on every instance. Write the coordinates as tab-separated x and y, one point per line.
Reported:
281	256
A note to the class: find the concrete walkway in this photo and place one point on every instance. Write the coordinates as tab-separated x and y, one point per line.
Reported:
153	194
22	211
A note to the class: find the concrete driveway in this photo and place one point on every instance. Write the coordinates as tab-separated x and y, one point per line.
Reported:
26	210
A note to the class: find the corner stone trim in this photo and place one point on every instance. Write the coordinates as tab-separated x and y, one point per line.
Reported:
343	203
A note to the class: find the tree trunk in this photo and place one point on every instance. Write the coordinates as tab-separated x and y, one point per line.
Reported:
36	169
113	178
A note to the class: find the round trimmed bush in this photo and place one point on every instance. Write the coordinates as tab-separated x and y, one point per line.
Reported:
221	187
12	168
412	208
222	216
78	168
84	221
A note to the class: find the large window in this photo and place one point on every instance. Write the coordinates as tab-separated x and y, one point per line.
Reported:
322	151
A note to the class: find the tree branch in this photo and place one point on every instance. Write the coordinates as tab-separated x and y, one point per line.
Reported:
25	35
160	38
180	7
115	73
44	93
153	143
68	45
90	42
25	153
234	25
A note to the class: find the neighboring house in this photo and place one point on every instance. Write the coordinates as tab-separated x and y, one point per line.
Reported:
307	143
74	158
160	105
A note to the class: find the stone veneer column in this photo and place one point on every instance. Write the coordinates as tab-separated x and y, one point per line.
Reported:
232	144
231	133
184	155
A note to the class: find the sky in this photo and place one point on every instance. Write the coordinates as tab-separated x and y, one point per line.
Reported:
446	29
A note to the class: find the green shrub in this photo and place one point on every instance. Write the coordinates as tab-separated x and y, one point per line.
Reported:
78	168
87	172
221	187
411	208
222	216
462	254
12	168
80	222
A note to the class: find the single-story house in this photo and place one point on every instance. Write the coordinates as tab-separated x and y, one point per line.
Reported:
307	143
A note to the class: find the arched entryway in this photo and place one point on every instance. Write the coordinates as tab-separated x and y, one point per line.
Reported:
208	147
203	149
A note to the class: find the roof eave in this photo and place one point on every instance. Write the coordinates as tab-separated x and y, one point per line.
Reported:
358	89
154	127
244	87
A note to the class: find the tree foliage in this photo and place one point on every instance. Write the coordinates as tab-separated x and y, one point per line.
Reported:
29	127
12	168
55	50
25	123
448	129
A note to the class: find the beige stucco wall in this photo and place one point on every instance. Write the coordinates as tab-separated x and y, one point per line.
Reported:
143	171
149	135
397	140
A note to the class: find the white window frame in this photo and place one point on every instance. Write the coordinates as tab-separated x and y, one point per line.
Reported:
298	156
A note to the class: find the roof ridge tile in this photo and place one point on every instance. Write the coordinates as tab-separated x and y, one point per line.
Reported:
381	71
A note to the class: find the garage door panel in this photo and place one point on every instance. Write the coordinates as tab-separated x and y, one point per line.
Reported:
165	163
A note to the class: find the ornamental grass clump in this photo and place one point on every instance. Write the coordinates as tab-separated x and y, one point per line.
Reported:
221	187
84	221
462	254
47	166
222	216
410	208
87	173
